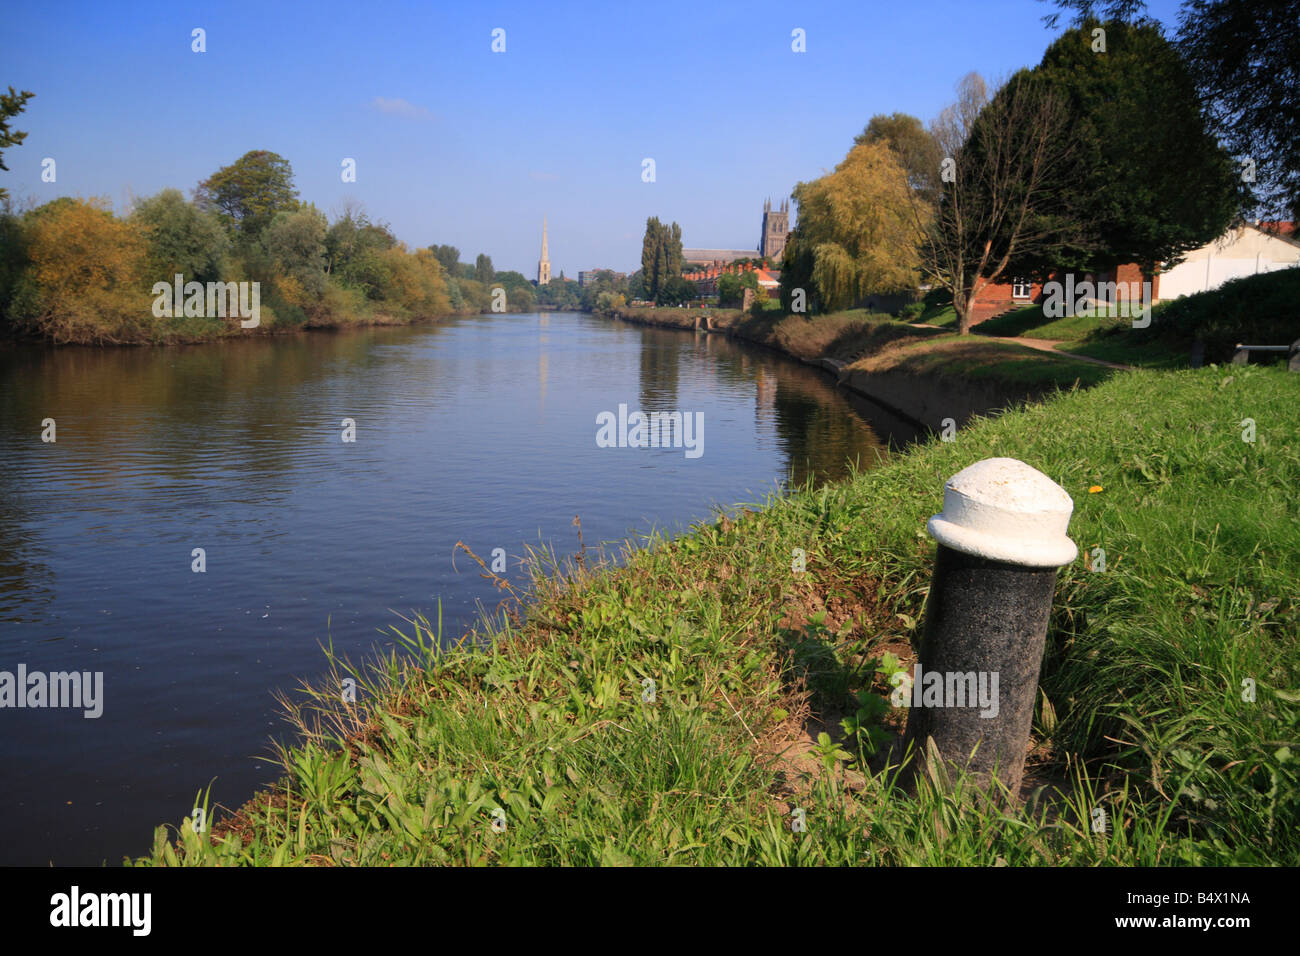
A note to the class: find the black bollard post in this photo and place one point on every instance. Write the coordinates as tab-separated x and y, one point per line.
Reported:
1002	537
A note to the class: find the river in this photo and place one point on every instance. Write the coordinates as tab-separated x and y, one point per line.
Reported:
481	429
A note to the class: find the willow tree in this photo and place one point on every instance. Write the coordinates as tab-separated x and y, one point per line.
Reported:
855	234
915	147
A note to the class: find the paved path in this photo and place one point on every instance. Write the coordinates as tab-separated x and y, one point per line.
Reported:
1049	345
1043	345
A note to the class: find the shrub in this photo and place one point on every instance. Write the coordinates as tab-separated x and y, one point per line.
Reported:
1255	310
85	282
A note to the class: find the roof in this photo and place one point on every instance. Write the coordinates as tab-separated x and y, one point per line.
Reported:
725	255
1279	227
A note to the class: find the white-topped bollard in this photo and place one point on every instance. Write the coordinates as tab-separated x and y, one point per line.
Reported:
1002	537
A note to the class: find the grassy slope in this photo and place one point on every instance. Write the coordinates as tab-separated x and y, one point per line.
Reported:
1144	671
877	342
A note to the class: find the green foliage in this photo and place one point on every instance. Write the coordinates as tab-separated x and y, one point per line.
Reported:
561	293
295	245
475	297
913	145
1153	183
449	258
483	271
636	287
1256	310
72	272
521	298
661	258
250	191
11	104
13	259
181	238
605	292
354	252
865	726
674	290
1243	54
730	290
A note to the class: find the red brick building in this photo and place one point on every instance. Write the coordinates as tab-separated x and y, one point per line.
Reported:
998	297
706	277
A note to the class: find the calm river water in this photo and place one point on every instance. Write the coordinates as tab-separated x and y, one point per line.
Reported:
482	430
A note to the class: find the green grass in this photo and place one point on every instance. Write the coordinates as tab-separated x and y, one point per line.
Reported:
975	359
1120	346
545	722
1029	322
937	310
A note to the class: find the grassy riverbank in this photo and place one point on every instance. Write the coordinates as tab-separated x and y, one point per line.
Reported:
877	343
546	723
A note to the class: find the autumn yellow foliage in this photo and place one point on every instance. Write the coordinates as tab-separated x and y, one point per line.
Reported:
860	223
86	278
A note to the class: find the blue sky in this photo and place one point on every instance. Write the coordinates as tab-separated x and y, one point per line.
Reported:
454	143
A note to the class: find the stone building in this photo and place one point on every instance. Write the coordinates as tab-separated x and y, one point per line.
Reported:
776	228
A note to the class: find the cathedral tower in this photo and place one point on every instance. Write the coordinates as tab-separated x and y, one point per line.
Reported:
776	227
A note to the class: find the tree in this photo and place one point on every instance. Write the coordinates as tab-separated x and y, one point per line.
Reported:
413	283
250	191
1152	181
661	255
730	290
295	244
11	104
13	257
1007	196
85	281
449	258
604	285
476	296
483	271
636	286
1245	58
181	238
856	231
914	146
674	290
560	293
520	298
1085	10
354	248
1242	55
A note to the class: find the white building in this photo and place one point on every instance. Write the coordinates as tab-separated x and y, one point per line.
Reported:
1243	251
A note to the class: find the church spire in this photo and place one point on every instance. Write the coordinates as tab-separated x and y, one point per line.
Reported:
544	264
